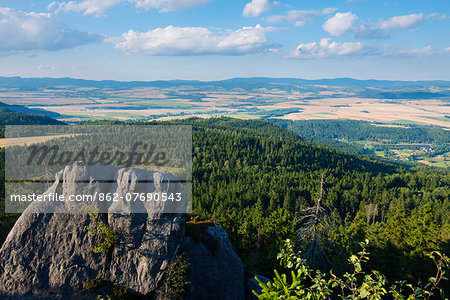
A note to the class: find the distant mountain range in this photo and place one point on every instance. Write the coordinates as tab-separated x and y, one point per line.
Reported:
246	83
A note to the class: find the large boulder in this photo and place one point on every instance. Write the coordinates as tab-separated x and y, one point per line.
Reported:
216	271
51	254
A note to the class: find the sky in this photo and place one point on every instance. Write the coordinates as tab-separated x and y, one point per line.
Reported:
219	39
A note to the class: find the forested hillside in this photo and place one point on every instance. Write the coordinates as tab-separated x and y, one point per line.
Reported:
405	144
253	178
327	131
316	130
10	117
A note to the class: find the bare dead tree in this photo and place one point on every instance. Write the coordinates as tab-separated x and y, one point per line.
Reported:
314	223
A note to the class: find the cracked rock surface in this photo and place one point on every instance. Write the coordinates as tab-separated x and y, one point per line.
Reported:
50	254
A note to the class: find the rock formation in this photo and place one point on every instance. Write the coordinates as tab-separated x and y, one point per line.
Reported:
51	254
216	271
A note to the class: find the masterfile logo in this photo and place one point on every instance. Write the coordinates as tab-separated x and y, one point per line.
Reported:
125	168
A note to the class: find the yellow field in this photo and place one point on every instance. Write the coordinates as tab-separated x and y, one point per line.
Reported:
423	111
22	141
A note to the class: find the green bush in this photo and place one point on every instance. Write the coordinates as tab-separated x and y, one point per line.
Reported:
175	283
101	230
306	283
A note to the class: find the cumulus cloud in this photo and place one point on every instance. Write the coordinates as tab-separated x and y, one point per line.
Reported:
99	7
173	40
340	23
299	17
383	28
326	48
256	7
21	31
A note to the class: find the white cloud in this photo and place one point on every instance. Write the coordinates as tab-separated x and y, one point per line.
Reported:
173	40
299	17
325	48
44	67
86	7
167	5
21	31
99	7
413	52
383	28
406	21
256	7
340	23
418	52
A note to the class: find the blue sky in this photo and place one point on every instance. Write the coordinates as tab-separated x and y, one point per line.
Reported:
219	39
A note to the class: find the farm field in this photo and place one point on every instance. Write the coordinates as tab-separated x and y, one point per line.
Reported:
22	141
431	112
403	103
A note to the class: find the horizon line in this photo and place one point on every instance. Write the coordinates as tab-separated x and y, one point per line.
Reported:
226	79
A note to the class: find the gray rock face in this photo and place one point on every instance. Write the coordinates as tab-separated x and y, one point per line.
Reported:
215	272
50	254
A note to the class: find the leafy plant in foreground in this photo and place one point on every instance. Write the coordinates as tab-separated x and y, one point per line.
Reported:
305	283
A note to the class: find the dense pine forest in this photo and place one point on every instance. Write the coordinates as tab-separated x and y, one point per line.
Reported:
254	179
10	117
